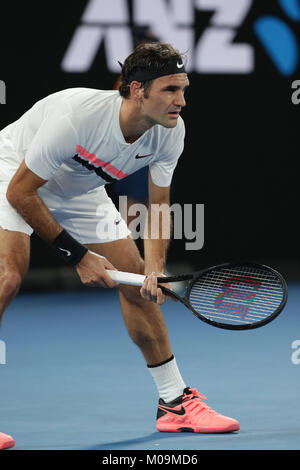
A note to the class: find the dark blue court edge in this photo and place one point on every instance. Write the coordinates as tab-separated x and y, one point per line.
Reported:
142	458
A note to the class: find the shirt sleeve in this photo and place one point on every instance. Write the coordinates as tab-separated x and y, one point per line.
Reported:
53	143
162	169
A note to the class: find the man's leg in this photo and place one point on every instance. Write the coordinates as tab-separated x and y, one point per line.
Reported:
180	408
14	262
143	319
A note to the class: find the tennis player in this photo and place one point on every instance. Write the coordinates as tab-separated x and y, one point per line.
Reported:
55	162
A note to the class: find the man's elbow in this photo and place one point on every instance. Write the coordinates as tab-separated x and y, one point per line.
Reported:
11	194
23	186
15	195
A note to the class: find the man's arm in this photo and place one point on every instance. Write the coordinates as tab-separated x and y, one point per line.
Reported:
156	241
22	195
158	229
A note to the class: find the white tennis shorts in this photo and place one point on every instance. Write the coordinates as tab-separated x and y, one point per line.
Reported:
89	218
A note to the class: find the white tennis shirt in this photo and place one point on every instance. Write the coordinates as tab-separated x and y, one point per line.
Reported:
73	140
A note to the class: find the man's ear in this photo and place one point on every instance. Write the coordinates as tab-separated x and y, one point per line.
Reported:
136	91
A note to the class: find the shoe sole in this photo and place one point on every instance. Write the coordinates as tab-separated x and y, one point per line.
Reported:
231	428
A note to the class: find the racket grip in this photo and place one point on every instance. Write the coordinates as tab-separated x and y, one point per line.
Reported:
127	278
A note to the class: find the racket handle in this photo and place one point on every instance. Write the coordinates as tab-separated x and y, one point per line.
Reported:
127	278
132	279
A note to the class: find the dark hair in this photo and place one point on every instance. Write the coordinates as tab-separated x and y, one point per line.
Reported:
148	54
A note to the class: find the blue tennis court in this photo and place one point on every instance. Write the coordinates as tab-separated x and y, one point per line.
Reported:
74	380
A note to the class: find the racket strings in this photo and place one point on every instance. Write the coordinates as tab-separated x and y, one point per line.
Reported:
268	300
236	295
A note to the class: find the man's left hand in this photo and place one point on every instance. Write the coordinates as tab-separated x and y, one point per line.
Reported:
150	290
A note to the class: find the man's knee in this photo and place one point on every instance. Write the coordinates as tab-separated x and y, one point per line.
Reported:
10	282
131	294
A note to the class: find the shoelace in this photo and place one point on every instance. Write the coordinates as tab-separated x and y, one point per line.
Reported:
196	394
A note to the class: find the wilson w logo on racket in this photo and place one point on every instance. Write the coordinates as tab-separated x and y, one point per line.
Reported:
231	296
237	295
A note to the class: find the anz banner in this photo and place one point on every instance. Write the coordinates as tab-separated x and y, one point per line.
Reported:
219	36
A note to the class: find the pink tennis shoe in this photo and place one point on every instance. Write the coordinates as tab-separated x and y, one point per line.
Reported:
6	441
188	413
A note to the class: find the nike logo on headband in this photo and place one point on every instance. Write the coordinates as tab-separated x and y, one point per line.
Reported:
175	65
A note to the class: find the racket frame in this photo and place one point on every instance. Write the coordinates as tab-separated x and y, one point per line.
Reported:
227	326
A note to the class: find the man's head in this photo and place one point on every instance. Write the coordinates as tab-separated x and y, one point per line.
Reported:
154	76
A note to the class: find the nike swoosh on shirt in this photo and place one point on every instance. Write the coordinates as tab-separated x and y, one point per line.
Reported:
171	410
179	65
143	156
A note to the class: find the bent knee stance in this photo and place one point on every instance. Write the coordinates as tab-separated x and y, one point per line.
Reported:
144	321
10	282
131	294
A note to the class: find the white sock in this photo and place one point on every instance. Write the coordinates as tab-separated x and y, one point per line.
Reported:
168	379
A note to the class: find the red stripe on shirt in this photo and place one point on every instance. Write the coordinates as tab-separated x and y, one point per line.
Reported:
97	162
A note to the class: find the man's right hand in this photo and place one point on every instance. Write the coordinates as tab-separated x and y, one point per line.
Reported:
92	271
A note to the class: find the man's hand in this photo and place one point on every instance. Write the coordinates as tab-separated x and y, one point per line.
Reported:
92	271
150	291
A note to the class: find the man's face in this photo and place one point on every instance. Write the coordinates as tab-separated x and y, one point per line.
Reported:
165	99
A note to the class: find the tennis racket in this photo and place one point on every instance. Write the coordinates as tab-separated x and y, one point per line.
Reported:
231	296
